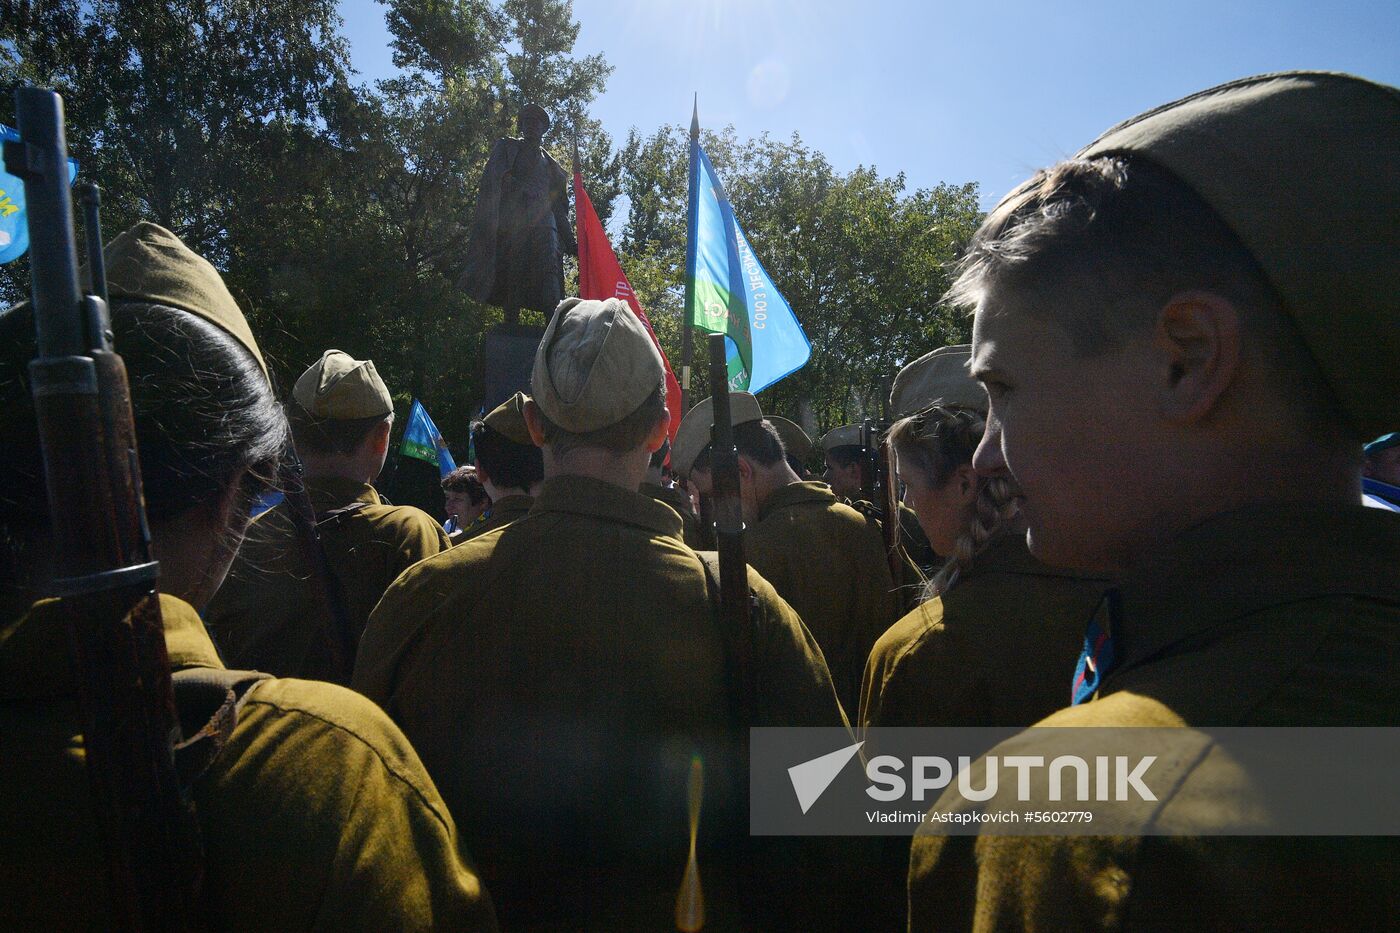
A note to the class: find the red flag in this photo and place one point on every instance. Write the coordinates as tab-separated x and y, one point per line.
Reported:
600	277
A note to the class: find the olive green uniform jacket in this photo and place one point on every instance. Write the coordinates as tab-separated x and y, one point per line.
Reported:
1270	616
827	560
317	814
502	512
679	501
997	649
557	675
270	614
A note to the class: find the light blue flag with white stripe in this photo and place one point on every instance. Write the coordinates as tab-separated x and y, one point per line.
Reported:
729	292
422	439
14	224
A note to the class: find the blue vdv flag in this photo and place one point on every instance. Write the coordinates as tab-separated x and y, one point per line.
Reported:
729	292
14	226
422	439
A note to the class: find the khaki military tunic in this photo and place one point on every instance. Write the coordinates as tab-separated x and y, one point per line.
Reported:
679	501
1270	616
557	675
998	649
502	512
317	815
270	614
827	560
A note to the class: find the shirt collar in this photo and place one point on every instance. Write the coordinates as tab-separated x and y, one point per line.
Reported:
583	495
1242	562
1007	553
796	494
330	492
512	503
34	651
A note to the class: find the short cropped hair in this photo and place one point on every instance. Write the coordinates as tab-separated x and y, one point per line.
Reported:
757	440
508	464
621	436
326	436
1122	236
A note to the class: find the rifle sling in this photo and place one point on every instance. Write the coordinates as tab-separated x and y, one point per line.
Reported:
208	700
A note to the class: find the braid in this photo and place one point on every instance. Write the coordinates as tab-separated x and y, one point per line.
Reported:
937	441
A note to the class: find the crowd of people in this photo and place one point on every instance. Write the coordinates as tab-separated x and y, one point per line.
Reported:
1184	356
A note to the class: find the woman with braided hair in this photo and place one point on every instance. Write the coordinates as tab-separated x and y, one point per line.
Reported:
995	640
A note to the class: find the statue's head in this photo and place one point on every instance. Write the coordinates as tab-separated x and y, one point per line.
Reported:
533	121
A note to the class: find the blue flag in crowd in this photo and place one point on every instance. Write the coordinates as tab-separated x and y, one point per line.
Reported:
729	292
14	227
422	439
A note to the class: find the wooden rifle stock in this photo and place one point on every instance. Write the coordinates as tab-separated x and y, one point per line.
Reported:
885	492
729	534
106	576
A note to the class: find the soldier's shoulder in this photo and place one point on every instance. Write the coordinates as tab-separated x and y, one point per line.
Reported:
309	728
906	635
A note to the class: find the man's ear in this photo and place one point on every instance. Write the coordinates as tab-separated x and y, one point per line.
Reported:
380	437
1197	337
659	433
533	424
745	470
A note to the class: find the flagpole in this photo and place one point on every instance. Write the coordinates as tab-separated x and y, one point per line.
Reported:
687	338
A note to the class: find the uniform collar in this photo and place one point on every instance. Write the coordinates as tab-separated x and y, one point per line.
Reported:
332	492
34	652
583	495
513	503
1243	562
796	494
1007	553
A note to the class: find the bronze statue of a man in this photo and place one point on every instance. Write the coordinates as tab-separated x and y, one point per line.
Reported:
521	228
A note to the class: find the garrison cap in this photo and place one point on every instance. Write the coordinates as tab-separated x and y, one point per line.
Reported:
795	440
508	418
848	435
1303	167
342	388
595	365
940	377
150	264
693	436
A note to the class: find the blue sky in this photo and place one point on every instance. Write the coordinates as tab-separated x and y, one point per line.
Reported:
942	91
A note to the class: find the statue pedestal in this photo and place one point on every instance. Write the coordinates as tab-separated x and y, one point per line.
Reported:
507	356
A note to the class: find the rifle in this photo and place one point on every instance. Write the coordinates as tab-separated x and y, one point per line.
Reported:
885	493
729	534
106	577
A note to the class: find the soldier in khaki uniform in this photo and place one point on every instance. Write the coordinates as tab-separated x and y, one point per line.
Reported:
509	464
558	674
655	486
316	814
1187	332
271	613
821	555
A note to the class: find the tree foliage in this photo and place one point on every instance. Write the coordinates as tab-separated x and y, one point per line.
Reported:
338	211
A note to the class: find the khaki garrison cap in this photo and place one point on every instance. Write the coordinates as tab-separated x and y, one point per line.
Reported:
940	377
848	435
508	418
795	440
693	436
342	388
1305	168
595	365
148	263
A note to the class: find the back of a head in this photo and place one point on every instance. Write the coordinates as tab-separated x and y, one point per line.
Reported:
598	380
336	404
204	410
